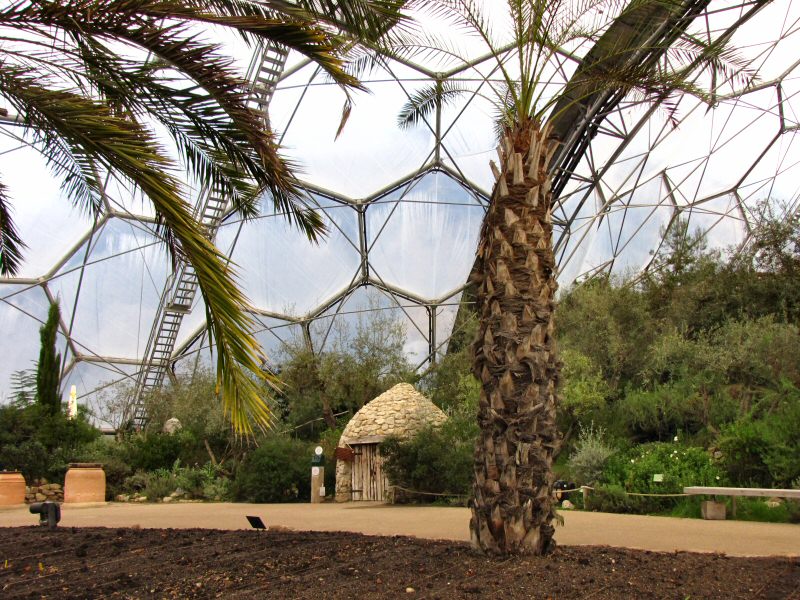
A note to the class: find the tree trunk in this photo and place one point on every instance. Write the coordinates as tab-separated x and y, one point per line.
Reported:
514	354
327	411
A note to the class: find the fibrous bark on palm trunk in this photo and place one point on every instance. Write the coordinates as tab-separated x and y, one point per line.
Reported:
515	353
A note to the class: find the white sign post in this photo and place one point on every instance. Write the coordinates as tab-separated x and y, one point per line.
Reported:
317	476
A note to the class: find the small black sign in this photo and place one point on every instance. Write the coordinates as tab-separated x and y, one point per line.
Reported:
256	522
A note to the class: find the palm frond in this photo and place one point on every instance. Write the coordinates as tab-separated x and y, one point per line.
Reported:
122	146
91	109
11	245
365	20
427	100
689	53
74	170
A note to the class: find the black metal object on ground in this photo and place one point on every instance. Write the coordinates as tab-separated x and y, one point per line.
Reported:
49	513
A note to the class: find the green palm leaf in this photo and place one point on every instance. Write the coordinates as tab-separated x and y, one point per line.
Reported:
11	244
89	78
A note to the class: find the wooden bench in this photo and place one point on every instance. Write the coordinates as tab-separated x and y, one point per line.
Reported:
734	492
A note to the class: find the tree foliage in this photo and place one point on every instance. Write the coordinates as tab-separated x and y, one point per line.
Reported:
98	85
360	361
48	368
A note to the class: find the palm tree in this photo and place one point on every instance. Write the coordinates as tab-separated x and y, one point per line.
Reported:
514	353
88	80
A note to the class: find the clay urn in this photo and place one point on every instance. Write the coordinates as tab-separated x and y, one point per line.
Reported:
85	482
12	488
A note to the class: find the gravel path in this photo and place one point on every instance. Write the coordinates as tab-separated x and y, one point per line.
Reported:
735	538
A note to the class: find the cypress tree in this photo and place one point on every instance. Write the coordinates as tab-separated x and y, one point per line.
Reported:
48	369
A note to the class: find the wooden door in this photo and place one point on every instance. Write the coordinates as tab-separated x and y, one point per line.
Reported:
368	481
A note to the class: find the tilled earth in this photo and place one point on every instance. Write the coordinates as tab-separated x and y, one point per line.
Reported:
202	563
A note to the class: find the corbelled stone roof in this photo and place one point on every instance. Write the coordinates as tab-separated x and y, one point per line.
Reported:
400	411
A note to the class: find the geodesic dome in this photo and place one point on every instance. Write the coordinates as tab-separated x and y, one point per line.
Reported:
403	208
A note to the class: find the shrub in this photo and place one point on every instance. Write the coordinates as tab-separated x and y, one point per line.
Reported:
756	509
583	390
435	460
763	451
678	465
136	483
659	414
151	451
159	484
31	458
41	444
613	499
207	482
217	488
279	470
591	453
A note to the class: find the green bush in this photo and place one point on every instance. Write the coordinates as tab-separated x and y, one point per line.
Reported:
756	509
590	455
435	460
32	459
613	499
41	444
678	465
207	482
279	470
151	451
193	400
659	414
159	484
763	451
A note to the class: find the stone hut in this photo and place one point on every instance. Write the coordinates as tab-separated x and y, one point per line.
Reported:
400	411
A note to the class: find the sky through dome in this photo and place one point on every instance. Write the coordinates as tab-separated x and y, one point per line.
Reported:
403	208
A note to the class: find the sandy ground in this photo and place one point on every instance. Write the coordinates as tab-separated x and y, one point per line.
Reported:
735	538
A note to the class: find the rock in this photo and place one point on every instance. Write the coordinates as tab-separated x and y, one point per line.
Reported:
410	590
717	454
123	498
774	502
167	499
140	499
567	504
40	497
172	425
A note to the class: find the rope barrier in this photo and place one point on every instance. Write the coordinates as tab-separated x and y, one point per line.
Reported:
588	487
656	495
398	487
577	489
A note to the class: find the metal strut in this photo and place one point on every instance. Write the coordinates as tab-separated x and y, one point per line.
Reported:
181	287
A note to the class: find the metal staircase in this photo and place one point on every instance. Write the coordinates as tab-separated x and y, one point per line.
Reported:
263	74
181	287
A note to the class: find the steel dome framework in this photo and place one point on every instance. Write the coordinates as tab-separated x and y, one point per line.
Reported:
403	208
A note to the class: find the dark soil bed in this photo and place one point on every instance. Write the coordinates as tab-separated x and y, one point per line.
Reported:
200	563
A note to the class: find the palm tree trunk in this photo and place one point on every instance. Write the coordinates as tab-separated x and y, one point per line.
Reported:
515	354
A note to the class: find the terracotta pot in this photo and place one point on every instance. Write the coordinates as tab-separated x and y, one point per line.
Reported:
12	488
85	482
